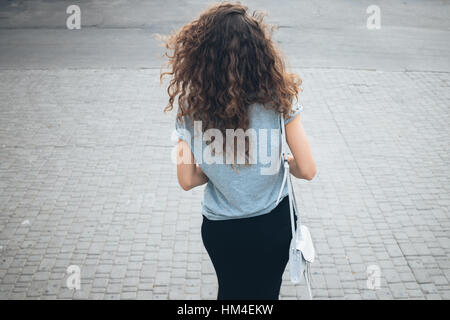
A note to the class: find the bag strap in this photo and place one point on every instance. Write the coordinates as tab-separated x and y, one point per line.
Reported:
287	180
292	200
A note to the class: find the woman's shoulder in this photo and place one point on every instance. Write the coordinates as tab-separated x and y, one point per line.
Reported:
262	116
260	112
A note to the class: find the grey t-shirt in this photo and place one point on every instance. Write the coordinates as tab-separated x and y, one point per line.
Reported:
246	190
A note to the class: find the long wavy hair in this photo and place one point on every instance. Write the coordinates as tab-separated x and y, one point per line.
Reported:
221	63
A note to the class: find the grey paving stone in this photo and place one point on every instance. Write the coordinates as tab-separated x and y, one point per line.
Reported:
380	198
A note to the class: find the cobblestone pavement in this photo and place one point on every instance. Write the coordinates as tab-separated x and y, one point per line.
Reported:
86	179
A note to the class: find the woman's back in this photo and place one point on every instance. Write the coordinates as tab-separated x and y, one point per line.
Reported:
246	190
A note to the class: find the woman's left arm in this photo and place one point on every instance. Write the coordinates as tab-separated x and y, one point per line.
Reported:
188	172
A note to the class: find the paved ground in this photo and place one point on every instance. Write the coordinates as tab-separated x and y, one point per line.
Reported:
323	34
86	177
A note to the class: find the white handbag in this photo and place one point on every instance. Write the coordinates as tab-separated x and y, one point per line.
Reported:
301	251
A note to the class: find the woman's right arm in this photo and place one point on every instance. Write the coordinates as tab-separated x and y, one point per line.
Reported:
188	172
302	164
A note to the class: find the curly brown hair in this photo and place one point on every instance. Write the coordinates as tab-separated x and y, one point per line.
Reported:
224	61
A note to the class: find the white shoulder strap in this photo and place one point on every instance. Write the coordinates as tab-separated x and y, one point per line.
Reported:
283	157
287	179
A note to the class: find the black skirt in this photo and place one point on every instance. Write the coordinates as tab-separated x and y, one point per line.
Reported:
249	254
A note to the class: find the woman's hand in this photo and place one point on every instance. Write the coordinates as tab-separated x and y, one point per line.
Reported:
293	168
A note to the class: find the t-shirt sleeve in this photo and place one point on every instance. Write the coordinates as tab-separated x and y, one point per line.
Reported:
296	110
181	130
